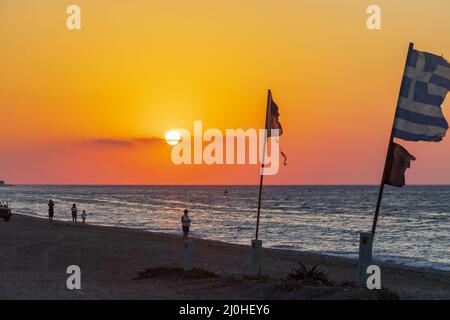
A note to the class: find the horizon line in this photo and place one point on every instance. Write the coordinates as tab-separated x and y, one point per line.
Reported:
188	185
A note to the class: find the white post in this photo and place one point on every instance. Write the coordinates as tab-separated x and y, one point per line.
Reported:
188	255
365	255
255	268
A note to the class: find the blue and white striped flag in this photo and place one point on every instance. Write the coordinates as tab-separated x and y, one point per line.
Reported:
425	84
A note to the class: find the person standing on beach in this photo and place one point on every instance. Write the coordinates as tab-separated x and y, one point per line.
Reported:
74	212
83	215
50	210
185	223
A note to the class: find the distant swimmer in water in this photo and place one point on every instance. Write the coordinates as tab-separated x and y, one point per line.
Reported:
185	223
226	191
51	206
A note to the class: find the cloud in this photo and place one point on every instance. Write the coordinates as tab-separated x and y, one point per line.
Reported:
151	140
112	142
127	142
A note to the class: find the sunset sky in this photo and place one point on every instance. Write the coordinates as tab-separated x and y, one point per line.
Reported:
92	106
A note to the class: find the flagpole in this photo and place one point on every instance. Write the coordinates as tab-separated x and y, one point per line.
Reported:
389	152
269	101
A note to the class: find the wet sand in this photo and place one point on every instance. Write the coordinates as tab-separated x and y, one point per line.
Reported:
35	255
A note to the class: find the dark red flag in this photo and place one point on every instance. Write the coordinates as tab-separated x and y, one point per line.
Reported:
400	160
272	121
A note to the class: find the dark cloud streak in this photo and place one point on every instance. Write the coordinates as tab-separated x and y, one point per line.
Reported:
112	142
127	142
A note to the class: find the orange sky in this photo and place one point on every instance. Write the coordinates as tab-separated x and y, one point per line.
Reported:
139	68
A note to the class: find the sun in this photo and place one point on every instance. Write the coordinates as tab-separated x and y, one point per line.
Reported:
173	137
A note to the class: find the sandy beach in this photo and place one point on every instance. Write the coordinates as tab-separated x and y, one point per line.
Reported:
35	255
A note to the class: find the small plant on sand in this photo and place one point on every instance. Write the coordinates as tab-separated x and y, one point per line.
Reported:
309	276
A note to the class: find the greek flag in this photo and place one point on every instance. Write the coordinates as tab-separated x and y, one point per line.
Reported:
425	84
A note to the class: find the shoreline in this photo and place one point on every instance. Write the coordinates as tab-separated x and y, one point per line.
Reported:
35	255
387	260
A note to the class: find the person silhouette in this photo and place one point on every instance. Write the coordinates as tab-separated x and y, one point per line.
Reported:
51	206
185	223
83	216
74	212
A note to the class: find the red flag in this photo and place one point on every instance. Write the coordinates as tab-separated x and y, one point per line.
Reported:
274	123
400	160
272	120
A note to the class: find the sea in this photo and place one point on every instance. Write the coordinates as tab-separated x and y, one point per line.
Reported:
413	228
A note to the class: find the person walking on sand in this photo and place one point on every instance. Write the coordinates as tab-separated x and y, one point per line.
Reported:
83	215
74	212
50	210
185	223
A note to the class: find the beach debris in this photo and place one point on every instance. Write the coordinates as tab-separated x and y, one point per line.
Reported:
5	211
309	276
177	272
386	294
